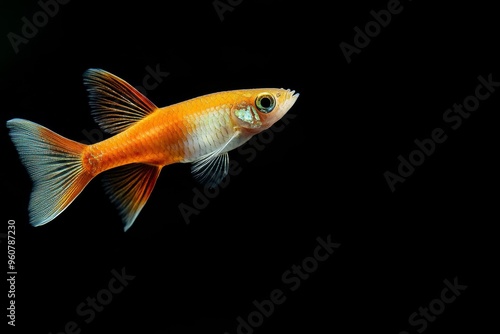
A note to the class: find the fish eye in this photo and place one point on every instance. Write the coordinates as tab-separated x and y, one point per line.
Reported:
265	102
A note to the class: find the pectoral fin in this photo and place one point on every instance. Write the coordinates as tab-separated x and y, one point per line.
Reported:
211	168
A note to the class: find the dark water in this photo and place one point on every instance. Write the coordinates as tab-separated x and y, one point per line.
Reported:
369	208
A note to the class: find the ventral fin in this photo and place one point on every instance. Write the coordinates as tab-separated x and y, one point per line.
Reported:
114	103
211	168
129	188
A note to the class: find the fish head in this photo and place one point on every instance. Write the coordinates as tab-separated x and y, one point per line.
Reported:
259	109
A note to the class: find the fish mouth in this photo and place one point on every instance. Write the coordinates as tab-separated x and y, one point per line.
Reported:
291	97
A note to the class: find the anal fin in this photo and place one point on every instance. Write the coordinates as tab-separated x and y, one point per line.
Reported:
129	188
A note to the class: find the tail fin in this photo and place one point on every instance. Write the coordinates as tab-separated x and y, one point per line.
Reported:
54	165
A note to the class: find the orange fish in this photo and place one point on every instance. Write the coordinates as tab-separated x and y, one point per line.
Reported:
145	138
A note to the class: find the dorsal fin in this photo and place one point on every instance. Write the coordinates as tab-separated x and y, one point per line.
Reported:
114	103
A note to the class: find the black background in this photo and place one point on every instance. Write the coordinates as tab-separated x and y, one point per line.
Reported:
321	176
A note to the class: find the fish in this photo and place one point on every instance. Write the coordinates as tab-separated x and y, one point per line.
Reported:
143	139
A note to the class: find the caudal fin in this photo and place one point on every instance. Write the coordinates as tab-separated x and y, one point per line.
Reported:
54	165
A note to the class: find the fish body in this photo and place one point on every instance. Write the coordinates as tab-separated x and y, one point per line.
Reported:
200	131
179	133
